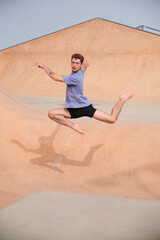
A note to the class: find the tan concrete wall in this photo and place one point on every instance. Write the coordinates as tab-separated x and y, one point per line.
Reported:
121	59
118	160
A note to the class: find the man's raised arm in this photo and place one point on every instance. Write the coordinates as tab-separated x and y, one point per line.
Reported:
85	66
50	73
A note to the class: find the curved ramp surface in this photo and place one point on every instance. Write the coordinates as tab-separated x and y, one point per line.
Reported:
118	160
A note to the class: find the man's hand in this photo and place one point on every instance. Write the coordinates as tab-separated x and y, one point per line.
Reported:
40	65
85	65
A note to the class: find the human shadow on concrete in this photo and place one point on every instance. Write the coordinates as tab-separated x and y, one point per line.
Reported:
50	159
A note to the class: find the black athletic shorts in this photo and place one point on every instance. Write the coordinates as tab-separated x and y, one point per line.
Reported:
82	112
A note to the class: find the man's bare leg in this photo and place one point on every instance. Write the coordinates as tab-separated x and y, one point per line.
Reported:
112	118
61	116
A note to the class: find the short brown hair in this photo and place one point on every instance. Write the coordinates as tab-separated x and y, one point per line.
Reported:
78	56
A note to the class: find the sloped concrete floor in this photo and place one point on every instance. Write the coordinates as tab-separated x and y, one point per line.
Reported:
61	216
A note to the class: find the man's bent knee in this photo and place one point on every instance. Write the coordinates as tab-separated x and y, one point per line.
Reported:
51	114
112	120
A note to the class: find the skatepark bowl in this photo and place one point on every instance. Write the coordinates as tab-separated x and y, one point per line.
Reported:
57	184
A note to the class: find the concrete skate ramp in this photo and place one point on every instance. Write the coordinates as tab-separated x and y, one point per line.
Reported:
117	160
121	59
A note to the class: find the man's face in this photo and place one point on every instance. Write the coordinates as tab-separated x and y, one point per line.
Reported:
75	64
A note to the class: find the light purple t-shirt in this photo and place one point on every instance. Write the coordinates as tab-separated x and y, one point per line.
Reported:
74	90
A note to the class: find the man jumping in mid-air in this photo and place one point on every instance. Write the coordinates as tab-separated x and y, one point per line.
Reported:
77	105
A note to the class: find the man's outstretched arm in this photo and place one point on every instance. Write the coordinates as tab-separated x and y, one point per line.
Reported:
85	66
50	73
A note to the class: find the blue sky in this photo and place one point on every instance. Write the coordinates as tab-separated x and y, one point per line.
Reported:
24	20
